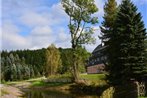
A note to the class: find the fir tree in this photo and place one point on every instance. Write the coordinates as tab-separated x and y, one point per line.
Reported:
110	10
127	46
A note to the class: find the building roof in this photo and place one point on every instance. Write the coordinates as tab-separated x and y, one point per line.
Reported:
98	48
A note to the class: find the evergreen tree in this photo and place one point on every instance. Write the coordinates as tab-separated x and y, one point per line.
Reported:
2	60
66	58
14	72
110	9
8	69
31	71
127	46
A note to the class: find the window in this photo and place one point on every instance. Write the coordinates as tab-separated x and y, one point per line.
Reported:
97	59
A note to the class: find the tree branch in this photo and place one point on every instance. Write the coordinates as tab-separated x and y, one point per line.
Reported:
81	32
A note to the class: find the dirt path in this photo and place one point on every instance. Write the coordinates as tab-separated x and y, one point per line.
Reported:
8	96
22	85
13	89
10	92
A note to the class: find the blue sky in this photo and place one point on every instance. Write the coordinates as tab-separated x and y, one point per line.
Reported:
35	24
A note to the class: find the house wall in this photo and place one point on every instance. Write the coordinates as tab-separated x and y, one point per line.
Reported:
95	63
95	69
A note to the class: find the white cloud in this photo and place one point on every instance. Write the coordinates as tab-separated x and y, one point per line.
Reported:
11	38
38	41
91	47
33	19
41	31
53	16
40	37
118	2
63	36
100	4
9	27
58	11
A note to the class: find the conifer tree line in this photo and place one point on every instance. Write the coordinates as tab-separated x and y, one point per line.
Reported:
124	35
21	64
25	64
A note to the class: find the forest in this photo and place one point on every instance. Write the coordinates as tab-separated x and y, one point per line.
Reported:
26	64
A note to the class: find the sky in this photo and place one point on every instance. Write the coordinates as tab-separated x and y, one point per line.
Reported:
35	24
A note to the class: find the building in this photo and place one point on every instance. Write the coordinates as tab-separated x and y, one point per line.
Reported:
95	64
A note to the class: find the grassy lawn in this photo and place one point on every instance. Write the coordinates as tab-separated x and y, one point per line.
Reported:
94	79
41	81
93	76
97	79
22	81
63	76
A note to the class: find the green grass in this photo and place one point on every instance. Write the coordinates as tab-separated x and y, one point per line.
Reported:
21	81
93	76
34	79
60	76
82	76
94	79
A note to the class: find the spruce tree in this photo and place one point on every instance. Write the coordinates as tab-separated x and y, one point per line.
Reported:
110	9
127	46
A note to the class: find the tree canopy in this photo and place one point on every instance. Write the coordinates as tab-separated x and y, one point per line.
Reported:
80	20
53	60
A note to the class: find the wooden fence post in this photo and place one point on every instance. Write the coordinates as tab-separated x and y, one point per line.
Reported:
140	88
